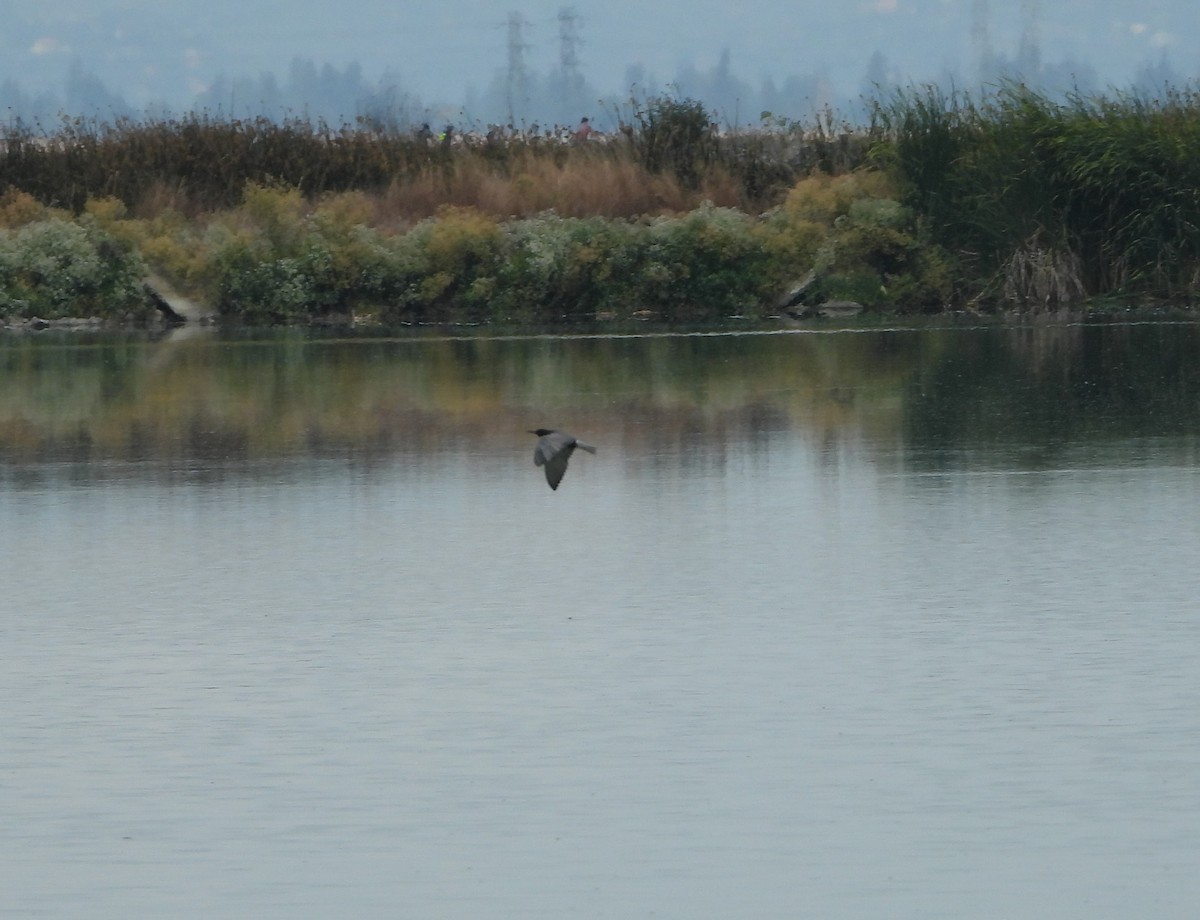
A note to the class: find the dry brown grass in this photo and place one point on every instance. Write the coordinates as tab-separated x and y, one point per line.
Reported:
580	185
165	196
1043	277
200	164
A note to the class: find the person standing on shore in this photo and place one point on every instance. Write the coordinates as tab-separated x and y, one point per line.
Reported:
584	131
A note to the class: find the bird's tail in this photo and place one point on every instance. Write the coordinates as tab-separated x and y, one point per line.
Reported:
587	447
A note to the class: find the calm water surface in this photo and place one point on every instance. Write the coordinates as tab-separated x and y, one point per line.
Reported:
862	624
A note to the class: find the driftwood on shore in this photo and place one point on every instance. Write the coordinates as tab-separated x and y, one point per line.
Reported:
793	303
174	307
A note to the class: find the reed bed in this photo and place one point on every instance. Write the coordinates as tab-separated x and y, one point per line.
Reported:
671	161
1046	202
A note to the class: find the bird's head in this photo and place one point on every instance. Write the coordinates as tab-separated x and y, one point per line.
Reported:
541	432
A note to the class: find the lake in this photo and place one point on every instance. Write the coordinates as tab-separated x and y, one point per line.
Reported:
836	623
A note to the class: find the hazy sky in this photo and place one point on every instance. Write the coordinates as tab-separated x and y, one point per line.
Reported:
172	49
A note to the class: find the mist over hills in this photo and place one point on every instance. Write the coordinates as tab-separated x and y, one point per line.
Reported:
473	63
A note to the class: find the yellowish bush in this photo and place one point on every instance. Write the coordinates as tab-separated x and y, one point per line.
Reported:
434	286
18	208
179	259
825	198
276	210
106	211
792	242
461	239
338	214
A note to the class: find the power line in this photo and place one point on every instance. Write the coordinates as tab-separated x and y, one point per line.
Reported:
569	41
1029	51
981	40
517	77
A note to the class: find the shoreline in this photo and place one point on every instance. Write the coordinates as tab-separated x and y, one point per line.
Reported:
1165	313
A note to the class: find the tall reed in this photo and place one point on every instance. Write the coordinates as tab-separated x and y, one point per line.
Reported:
671	160
1055	200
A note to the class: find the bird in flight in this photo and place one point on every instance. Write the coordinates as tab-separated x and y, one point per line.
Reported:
554	449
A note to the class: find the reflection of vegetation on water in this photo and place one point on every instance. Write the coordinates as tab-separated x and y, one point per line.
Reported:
1038	389
289	394
212	399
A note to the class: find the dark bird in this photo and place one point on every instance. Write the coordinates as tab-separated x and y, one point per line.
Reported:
554	449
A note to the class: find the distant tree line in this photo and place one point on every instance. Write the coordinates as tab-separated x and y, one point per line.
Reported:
561	95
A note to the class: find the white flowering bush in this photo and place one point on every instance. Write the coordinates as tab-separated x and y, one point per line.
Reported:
706	264
563	266
58	268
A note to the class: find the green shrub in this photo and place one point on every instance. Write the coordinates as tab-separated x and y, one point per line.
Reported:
265	291
57	268
276	212
271	260
907	275
675	136
879	212
823	198
793	245
444	266
704	265
556	266
859	243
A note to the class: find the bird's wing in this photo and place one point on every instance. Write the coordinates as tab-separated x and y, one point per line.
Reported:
556	467
550	446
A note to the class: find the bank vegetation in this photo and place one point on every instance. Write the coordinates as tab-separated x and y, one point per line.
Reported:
1010	201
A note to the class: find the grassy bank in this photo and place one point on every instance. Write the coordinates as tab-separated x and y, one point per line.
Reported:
1012	201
